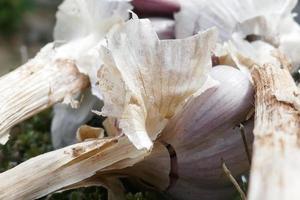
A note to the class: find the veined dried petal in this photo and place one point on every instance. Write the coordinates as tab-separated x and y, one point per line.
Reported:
145	81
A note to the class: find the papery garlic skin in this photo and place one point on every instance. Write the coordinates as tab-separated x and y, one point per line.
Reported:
205	133
145	81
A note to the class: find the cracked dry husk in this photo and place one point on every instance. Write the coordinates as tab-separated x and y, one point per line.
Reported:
275	165
275	162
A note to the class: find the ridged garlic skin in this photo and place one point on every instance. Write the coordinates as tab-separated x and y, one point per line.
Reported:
206	132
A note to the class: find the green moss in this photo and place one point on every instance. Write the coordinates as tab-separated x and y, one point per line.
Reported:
11	12
28	139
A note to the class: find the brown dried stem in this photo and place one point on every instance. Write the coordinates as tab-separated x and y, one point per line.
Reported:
275	173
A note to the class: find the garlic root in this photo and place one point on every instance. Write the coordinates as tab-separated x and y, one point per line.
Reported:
276	156
34	87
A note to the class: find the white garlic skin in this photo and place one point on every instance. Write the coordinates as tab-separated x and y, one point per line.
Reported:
205	132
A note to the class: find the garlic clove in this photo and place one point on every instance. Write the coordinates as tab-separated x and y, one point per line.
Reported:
201	142
144	80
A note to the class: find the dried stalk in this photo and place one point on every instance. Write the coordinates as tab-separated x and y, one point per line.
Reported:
34	87
67	167
275	173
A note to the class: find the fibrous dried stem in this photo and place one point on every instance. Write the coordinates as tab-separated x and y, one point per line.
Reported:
275	173
34	87
66	167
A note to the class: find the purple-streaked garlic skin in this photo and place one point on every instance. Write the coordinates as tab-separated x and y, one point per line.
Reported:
205	133
147	8
164	27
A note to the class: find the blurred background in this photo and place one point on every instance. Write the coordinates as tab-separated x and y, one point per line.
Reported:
25	26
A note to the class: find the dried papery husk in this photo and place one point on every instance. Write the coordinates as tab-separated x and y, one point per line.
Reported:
65	167
145	81
269	21
35	86
274	172
276	161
